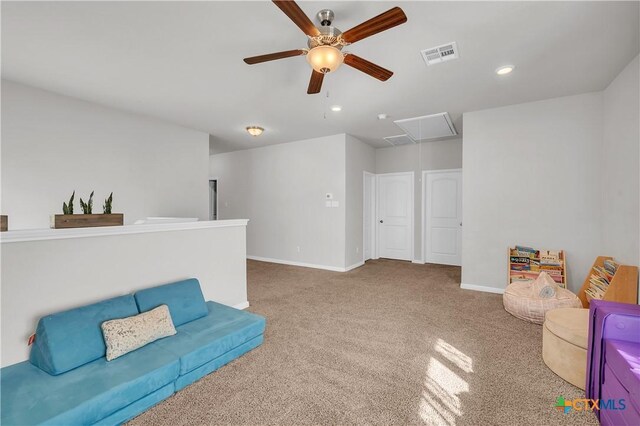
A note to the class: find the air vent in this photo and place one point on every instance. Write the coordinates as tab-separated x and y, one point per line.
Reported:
436	55
428	127
399	140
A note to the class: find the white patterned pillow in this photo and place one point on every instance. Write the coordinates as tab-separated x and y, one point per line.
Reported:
128	334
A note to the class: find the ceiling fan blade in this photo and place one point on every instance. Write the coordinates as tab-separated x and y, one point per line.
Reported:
273	56
382	22
293	11
367	67
315	84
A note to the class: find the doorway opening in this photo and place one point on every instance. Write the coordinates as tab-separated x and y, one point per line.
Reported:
213	199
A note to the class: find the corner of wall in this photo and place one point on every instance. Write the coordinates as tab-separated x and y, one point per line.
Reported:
620	153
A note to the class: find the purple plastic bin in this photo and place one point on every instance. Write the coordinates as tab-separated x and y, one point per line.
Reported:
613	360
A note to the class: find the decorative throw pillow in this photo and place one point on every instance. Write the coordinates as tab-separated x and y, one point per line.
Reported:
545	286
124	335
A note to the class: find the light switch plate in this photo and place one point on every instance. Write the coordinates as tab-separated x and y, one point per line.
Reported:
335	204
327	203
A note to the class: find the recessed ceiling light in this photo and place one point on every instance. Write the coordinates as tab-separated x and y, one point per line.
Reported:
255	130
336	108
504	70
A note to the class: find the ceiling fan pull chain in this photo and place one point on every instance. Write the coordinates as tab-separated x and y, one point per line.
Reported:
326	103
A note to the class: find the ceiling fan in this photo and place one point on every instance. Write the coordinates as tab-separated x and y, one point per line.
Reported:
326	43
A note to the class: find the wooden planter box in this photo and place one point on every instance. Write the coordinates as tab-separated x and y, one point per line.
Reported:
4	223
61	221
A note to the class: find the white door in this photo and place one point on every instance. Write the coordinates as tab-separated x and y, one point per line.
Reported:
443	217
395	216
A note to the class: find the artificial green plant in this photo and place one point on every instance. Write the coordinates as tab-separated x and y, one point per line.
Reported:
87	208
106	208
68	208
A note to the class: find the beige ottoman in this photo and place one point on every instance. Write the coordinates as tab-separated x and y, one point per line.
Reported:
564	343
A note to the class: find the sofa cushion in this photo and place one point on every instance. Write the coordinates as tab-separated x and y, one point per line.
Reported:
140	406
184	299
198	373
570	324
86	394
205	339
72	338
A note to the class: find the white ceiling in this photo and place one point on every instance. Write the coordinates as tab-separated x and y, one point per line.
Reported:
182	61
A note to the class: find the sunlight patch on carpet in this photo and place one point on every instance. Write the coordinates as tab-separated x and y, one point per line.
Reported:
454	355
440	403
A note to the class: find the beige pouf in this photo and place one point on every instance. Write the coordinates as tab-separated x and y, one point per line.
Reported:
564	344
525	299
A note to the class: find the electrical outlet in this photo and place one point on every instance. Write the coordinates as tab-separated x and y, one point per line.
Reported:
298	249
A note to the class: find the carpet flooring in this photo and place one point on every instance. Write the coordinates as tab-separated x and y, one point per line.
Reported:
387	343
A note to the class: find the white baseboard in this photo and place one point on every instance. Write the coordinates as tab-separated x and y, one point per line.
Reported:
482	288
354	266
418	261
292	263
243	305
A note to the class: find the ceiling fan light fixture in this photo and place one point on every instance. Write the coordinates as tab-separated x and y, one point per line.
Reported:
326	43
255	130
325	59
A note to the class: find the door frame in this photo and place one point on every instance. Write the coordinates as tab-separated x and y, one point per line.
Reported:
217	179
424	206
413	213
374	213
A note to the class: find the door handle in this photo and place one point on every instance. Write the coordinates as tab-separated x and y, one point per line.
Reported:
381	221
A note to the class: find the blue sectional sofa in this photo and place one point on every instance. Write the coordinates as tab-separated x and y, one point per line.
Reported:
68	381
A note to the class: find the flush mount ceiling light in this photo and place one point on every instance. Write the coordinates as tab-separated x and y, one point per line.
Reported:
255	130
336	108
504	70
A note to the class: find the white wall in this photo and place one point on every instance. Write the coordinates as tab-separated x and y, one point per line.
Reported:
53	145
281	189
43	277
360	157
621	165
532	176
438	155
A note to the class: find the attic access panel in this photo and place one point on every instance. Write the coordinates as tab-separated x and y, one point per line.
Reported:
428	127
399	140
